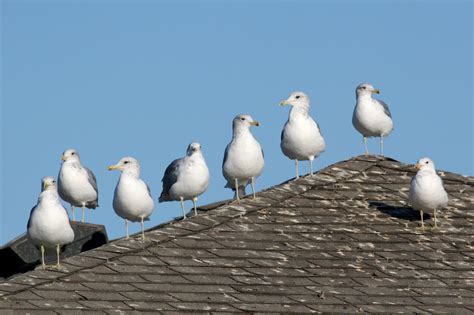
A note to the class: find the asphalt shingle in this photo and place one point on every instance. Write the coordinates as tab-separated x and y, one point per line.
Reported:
343	240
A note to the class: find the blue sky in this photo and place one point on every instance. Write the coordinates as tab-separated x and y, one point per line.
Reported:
146	78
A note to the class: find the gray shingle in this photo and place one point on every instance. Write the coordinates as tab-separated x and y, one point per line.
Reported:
343	240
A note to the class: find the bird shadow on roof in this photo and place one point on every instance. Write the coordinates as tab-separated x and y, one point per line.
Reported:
404	213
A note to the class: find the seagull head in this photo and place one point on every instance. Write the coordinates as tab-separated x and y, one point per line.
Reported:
241	122
70	155
425	164
48	183
193	148
365	89
296	99
127	164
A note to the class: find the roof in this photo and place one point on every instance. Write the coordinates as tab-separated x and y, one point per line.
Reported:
343	240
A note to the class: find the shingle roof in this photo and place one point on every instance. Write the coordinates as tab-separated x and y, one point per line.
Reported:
343	240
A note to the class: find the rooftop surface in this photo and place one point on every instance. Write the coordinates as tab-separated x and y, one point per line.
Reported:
342	240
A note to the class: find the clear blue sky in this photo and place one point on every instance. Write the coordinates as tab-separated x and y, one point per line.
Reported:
145	78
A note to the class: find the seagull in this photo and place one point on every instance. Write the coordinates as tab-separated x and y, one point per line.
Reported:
186	178
426	190
49	225
371	117
132	197
77	184
301	138
243	157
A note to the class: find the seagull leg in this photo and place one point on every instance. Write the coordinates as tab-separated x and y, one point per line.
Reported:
311	167
143	231
381	145
237	189
253	187
365	145
42	257
194	203
83	210
126	228
182	207
422	222
58	247
435	220
72	211
296	163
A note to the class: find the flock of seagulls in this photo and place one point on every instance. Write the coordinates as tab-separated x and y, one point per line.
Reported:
187	178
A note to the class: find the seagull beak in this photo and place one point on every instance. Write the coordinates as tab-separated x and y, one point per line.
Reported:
284	102
376	91
255	123
45	185
112	167
63	158
418	166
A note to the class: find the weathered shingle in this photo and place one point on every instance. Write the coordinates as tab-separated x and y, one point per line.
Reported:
343	240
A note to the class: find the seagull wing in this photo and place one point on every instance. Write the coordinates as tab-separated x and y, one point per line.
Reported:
91	178
385	108
170	178
93	182
29	220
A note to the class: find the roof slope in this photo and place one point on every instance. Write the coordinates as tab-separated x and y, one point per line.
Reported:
342	240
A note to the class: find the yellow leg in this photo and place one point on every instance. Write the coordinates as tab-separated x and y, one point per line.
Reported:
42	256
195	207
296	165
237	189
182	207
435	219
365	145
126	228
253	187
58	248
143	231
422	228
381	145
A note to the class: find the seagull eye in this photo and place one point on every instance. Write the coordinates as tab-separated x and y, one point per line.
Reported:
73	153
297	96
126	162
242	118
364	87
427	162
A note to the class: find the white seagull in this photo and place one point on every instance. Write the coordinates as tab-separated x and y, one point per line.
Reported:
186	178
243	157
49	225
371	117
301	138
77	184
132	197
426	190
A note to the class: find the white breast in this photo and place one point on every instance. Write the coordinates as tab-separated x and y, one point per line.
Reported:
302	139
193	179
244	159
427	191
49	224
74	186
131	199
370	119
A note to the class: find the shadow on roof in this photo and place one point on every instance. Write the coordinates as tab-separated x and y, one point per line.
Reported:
404	213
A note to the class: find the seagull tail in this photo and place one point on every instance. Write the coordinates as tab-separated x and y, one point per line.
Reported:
241	192
92	204
164	198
